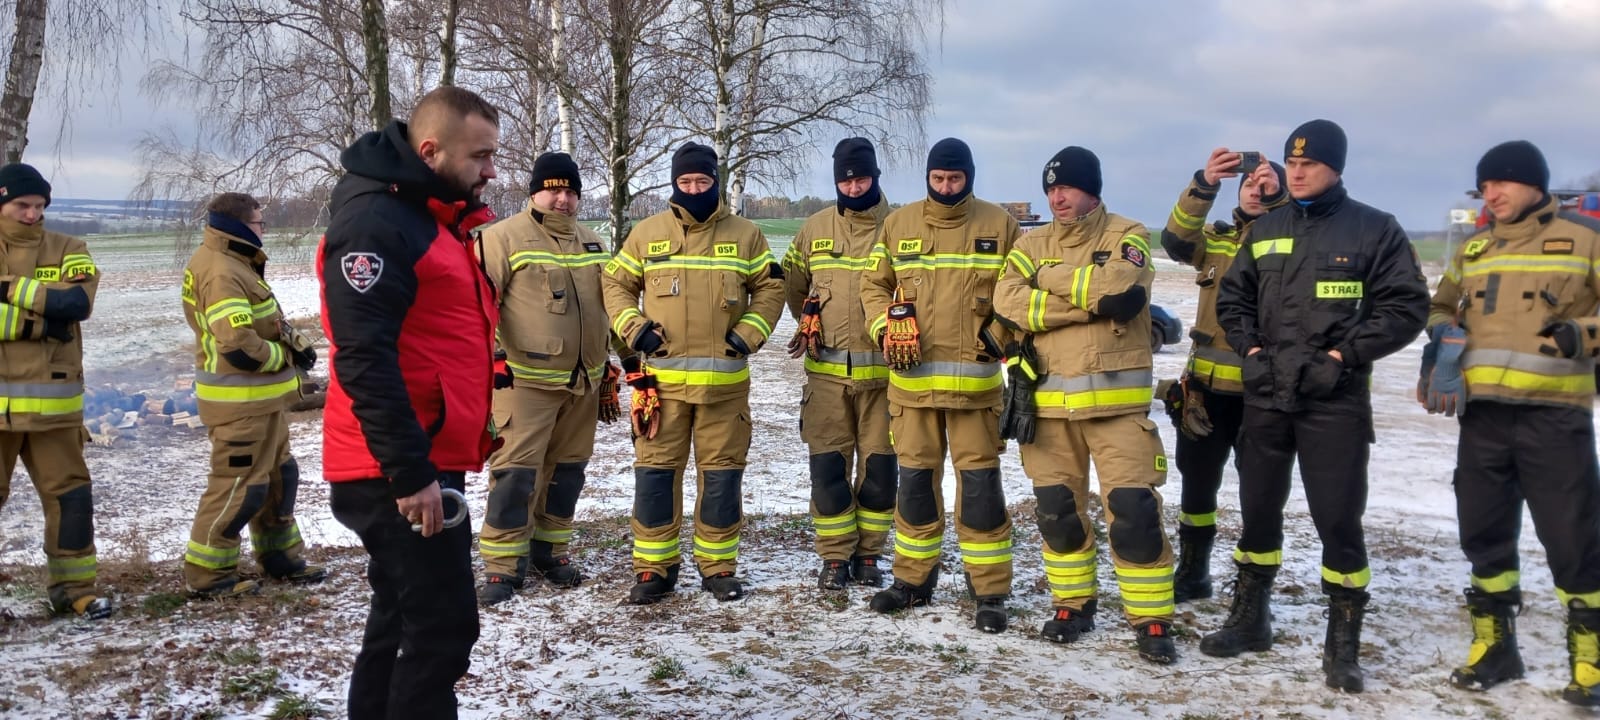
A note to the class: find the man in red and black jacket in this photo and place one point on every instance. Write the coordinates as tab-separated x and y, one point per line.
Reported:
410	320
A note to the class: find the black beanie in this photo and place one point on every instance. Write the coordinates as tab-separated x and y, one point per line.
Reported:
1319	140
951	154
18	180
1074	167
853	158
694	158
1518	161
554	170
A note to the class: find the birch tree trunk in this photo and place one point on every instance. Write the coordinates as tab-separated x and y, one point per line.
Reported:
375	39
22	77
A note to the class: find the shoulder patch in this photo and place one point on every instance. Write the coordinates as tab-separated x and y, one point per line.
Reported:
1558	246
1100	257
1133	254
47	274
1476	247
361	269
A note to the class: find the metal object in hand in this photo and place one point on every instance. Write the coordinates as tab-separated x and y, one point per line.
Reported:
461	509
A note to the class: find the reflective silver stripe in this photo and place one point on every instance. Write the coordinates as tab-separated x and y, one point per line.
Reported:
698	364
42	390
1070	564
1527	362
996	552
1071	586
1219	356
952	369
856	359
1152	604
1098	381
1134	580
243	379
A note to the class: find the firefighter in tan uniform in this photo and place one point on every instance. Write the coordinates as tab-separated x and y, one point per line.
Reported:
1207	404
554	380
695	290
1513	340
245	358
47	287
844	409
1079	288
929	290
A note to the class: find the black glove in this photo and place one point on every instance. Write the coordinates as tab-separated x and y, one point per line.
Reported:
649	340
502	373
1566	334
736	346
1123	306
1171	394
57	330
1019	411
303	359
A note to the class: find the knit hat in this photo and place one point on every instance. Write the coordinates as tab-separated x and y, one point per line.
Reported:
694	158
1074	167
853	158
19	180
1518	161
951	154
1319	140
554	170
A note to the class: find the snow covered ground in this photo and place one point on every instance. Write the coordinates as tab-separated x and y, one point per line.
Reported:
786	651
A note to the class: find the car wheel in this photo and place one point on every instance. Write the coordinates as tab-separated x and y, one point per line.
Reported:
1155	339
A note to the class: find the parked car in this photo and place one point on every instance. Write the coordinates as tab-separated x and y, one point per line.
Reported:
1165	329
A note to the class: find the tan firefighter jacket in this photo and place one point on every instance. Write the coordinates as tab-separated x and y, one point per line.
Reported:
553	327
1210	249
1091	366
826	259
1506	283
243	366
944	260
45	277
697	281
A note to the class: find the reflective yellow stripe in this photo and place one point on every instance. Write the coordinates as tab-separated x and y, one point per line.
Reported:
73	569
1036	302
874	520
1590	599
1206	368
957	377
827	262
211	558
757	322
624	261
700	371
1541	264
915	548
1080	286
725	550
237	391
1523	380
947	261
649	550
276	539
26	292
1070	575
1252	558
1221	247
222	309
554	537
42	405
990	553
879	323
525	372
1198	519
1499	583
623	317
701	262
264	308
1024	264
1185	220
1358	579
525	258
490	548
834	525
1087	399
77	263
1140	242
1274	246
1146	592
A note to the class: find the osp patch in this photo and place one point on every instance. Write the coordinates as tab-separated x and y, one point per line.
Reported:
361	270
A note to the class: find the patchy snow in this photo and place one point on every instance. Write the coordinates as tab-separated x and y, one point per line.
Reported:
786	651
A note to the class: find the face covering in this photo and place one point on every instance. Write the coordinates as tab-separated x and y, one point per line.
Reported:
699	206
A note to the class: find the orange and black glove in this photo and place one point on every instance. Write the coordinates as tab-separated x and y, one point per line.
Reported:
502	374
645	408
808	339
610	409
902	342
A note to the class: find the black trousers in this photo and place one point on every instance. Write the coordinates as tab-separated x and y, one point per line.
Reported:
1332	450
1201	461
424	617
1544	455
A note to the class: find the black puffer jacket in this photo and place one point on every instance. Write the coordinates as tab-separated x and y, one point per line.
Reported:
1332	275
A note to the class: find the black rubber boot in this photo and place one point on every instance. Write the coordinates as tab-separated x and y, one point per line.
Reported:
1249	624
723	586
902	595
865	570
1155	643
558	571
231	586
1192	578
496	589
1493	658
1067	625
991	615
1341	651
652	587
834	575
278	566
1583	649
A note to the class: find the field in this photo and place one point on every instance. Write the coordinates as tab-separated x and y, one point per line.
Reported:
786	651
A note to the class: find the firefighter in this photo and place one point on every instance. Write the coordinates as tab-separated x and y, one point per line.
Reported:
929	291
246	356
47	287
1321	289
1513	337
552	382
844	409
1208	405
695	291
1078	290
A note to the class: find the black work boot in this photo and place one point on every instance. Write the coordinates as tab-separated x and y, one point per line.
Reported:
231	586
1249	624
865	570
1192	578
497	589
1341	651
1583	649
88	607
834	575
653	587
902	595
1493	658
723	586
991	615
558	571
278	566
1067	625
1155	643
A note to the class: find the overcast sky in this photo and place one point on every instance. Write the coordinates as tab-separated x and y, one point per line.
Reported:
1422	88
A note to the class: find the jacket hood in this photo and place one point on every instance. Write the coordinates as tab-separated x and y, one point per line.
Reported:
384	158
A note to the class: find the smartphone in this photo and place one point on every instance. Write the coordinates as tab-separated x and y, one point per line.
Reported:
1248	162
